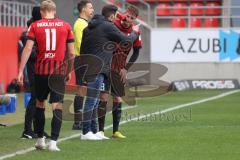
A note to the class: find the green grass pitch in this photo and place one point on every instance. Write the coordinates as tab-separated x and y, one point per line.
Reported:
209	131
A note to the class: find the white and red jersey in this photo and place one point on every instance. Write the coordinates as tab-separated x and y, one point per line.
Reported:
51	37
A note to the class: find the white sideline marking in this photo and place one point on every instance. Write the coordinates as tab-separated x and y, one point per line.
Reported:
21	152
125	108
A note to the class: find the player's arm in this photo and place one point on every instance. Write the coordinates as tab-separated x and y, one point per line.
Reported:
70	52
133	58
115	35
25	56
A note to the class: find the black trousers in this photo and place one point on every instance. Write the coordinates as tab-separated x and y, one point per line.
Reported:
31	108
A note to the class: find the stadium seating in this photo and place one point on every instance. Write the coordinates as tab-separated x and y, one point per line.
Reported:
195	22
178	23
214	8
211	22
196	9
166	8
180	9
163	9
173	1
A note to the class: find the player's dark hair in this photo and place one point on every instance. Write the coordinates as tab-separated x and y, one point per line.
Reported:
36	15
82	4
108	10
133	10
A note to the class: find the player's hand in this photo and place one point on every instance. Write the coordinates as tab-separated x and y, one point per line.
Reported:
68	77
123	75
20	77
136	28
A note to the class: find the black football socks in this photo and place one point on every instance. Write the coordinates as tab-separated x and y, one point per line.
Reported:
40	121
102	110
56	124
116	113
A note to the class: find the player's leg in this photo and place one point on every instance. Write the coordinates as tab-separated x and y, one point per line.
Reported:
57	85
42	91
40	123
102	106
78	100
117	90
56	125
116	114
101	114
31	107
28	132
102	109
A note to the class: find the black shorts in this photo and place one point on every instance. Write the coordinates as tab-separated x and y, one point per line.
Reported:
114	84
79	72
53	84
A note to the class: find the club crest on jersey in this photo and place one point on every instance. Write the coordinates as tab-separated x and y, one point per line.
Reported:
49	55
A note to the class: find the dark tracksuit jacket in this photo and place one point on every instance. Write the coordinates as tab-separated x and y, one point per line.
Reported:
100	39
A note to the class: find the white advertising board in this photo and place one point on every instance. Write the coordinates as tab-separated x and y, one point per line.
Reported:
200	45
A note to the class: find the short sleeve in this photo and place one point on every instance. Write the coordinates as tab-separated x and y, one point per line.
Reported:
31	33
70	38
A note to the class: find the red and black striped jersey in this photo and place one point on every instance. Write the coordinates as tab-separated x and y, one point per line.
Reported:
123	49
51	37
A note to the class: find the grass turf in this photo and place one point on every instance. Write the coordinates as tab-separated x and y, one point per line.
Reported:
205	131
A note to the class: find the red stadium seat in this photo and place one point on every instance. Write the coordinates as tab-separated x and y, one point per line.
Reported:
196	1
195	22
178	23
195	9
163	9
175	1
180	9
163	0
214	8
211	22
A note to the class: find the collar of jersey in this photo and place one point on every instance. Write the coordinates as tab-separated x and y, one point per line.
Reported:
83	19
48	18
121	22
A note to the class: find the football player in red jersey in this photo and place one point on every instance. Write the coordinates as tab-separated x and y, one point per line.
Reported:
125	23
51	36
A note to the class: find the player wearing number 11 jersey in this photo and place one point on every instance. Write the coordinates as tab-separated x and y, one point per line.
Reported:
51	36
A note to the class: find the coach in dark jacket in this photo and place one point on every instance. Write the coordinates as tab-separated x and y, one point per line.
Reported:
100	39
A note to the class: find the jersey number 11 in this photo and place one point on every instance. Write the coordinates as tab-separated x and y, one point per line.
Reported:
50	35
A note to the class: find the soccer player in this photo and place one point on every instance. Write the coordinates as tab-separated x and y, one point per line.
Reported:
96	36
86	11
119	69
51	35
28	133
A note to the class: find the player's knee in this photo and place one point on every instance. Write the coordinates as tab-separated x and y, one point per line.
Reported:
58	106
104	97
117	99
40	104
